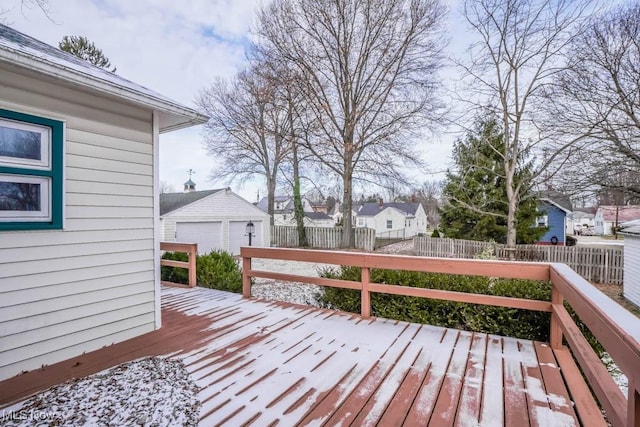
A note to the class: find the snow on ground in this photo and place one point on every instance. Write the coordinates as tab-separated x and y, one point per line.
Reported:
401	248
621	379
296	293
151	391
302	293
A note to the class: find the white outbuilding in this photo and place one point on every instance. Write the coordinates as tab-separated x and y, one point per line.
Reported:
631	286
214	219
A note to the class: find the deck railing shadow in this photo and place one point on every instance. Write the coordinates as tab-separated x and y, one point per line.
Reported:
614	327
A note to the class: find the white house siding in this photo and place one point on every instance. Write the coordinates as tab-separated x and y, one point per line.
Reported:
223	206
418	223
64	292
631	288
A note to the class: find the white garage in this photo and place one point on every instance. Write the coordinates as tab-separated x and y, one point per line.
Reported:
214	219
208	235
238	235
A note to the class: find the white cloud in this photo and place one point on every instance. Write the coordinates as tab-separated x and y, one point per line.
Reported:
172	47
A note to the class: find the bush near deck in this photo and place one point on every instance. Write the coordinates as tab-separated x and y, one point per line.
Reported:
511	322
215	270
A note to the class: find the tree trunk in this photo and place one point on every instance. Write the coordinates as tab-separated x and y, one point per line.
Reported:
297	199
512	199
348	240
271	197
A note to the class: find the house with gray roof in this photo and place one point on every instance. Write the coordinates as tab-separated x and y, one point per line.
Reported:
556	215
392	220
284	212
214	219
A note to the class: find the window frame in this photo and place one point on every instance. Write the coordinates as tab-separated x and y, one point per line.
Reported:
48	172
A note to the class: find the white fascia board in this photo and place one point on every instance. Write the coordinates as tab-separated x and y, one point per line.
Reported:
76	77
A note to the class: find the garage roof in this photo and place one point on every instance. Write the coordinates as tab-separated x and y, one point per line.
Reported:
171	201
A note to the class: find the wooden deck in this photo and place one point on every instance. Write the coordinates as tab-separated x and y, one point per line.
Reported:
261	363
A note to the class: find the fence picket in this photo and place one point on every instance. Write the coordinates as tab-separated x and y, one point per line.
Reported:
602	265
321	237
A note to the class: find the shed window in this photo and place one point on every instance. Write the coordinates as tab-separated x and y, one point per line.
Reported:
30	172
543	221
389	223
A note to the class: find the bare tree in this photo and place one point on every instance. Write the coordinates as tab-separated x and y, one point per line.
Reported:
518	52
600	90
166	187
43	5
247	131
368	71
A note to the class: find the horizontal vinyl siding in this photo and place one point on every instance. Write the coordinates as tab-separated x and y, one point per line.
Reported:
555	222
92	284
631	287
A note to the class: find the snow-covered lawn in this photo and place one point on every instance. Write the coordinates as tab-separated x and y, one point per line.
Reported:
145	392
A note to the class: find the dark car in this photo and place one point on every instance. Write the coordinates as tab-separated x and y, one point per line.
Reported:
570	241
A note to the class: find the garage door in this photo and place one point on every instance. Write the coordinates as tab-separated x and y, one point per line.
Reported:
208	235
238	238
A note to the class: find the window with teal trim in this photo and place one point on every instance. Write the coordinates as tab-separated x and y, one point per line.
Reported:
31	151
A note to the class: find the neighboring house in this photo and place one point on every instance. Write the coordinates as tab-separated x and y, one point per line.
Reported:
214	219
317	219
79	204
631	285
336	213
283	212
398	219
555	209
584	220
607	217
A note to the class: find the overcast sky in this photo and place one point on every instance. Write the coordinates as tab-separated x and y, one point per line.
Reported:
175	47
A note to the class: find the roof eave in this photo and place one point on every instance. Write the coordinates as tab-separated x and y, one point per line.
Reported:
546	199
42	65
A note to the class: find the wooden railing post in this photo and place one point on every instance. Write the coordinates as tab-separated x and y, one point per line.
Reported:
555	335
633	403
365	309
246	279
193	254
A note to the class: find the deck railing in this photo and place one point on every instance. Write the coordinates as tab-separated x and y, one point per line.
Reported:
191	249
616	329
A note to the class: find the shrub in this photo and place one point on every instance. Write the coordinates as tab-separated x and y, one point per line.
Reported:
473	317
435	233
511	322
175	275
215	270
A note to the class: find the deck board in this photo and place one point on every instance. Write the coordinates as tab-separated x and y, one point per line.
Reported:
265	363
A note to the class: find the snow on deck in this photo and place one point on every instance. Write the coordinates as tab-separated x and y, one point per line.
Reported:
265	363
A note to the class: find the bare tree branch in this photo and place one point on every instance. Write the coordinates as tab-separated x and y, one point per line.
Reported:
367	72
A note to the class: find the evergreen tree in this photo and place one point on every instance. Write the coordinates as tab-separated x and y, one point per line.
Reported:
476	191
81	47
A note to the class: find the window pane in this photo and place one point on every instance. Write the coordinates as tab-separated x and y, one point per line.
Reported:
20	196
20	143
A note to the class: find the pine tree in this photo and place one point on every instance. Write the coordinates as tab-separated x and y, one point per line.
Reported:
81	47
476	191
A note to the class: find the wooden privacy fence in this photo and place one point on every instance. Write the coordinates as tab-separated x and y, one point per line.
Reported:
601	265
615	328
190	249
321	237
